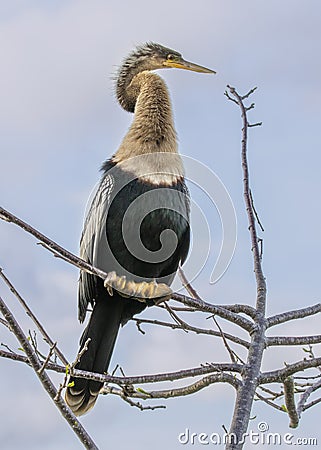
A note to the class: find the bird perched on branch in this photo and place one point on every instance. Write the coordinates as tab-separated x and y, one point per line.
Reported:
137	228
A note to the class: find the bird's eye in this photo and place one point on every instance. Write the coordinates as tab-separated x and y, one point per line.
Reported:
170	57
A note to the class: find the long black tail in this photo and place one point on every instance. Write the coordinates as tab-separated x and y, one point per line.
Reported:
102	330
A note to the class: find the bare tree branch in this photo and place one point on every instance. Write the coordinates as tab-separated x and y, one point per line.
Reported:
46	361
121	393
196	330
70	368
246	392
269	402
290	402
304	397
5	323
45	380
293	315
192	292
234	357
275	376
292	340
52	246
45	335
183	391
140	379
200	305
254	210
241	308
313	403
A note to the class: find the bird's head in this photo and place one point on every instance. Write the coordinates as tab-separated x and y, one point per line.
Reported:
149	56
152	56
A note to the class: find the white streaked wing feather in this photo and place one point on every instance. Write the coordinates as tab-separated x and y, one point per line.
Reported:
94	228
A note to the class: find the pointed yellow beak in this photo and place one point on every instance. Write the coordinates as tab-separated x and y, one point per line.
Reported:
182	64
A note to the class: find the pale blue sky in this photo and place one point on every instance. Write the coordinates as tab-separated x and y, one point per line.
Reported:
59	120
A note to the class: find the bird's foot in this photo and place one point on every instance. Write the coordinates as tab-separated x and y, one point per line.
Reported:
158	292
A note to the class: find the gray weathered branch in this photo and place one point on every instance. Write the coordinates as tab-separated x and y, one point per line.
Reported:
25	306
246	392
302	405
140	379
290	402
196	330
292	340
275	376
178	392
293	315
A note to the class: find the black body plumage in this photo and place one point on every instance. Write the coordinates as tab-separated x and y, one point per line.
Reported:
120	194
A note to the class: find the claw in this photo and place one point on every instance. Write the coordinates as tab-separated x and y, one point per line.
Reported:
109	281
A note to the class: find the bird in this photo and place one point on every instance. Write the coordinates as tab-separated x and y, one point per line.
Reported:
137	227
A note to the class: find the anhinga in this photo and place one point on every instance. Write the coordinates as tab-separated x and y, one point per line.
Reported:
141	203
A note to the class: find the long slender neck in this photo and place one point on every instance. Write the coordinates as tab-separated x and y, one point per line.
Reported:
152	129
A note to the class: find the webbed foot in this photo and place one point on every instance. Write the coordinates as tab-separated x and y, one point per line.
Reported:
141	291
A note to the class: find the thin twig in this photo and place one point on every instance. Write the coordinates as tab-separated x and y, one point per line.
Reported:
120	392
8	348
212	309
68	256
269	402
70	368
256	124
80	353
44	365
192	292
304	397
311	377
183	325
274	395
234	357
196	330
251	91
313	403
139	405
177	308
29	312
34	343
5	323
255	212
231	98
